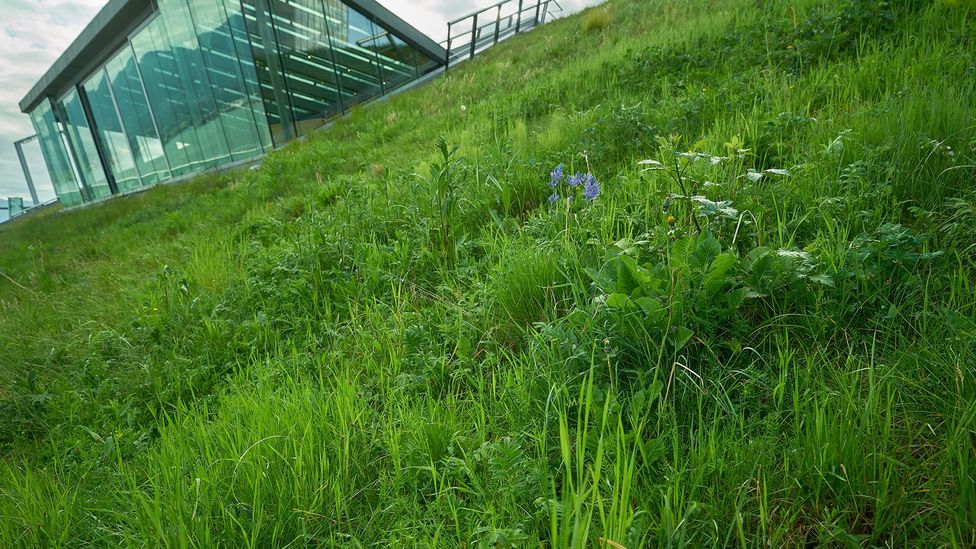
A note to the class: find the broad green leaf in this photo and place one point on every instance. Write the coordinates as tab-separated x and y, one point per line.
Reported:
629	275
619	301
681	337
824	279
708	248
652	450
710	208
108	447
652	309
717	273
735	298
606	277
762	261
645	397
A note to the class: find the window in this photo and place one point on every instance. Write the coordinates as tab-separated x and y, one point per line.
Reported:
82	145
55	155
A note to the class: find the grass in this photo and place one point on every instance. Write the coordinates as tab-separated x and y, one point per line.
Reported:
595	19
764	337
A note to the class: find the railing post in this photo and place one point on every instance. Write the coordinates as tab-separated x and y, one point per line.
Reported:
541	14
447	55
19	145
474	35
498	22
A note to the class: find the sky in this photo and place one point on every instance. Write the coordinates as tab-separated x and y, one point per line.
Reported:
33	33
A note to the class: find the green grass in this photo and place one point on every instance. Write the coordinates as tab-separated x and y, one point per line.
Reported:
365	343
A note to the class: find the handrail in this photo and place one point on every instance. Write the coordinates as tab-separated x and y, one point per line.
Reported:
479	12
470	41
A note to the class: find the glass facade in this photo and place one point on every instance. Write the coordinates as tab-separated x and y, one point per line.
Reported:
201	84
81	143
51	139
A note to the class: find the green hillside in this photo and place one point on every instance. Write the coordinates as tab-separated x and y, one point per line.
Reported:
741	314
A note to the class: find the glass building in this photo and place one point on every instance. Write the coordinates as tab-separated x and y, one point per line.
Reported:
155	90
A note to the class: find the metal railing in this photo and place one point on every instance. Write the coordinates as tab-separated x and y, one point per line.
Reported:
470	35
19	145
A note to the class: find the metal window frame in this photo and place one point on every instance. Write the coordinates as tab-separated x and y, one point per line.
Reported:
19	145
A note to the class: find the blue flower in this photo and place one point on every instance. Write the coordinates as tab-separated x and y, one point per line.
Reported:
576	180
553	198
556	175
591	189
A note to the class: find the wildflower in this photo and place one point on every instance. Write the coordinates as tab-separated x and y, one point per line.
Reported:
576	180
591	189
557	175
553	198
671	220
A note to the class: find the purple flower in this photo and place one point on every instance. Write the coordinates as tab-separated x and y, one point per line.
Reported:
553	198
556	175
576	180
591	189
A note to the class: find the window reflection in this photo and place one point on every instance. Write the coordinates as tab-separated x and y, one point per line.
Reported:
55	154
205	83
83	148
110	132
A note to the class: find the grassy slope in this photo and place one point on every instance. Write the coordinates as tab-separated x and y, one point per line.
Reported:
292	355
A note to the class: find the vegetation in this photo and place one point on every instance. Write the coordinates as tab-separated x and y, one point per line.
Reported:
753	323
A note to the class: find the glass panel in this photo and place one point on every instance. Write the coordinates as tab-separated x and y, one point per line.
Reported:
36	170
136	118
15	207
55	155
268	67
220	56
401	52
110	132
82	144
171	102
397	60
307	59
352	33
187	63
316	58
245	56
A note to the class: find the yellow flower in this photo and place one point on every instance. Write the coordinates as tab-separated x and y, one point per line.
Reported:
671	220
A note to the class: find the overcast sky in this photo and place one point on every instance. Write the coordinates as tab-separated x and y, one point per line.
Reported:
33	33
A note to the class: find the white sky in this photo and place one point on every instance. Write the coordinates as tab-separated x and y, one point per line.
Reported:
33	33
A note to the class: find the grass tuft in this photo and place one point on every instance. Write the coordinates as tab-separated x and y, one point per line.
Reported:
595	20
